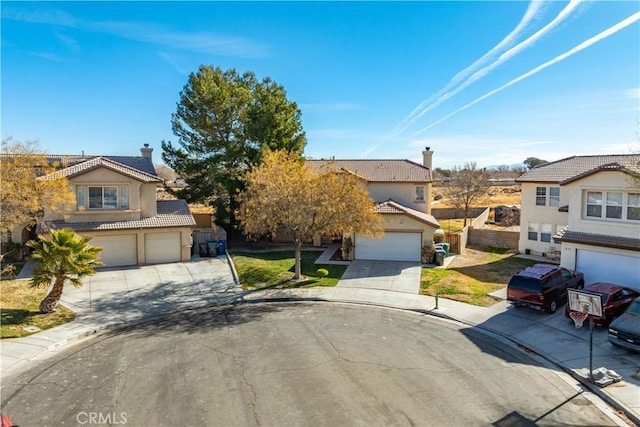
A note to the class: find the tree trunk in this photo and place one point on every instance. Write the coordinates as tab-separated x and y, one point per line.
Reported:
466	214
50	302
297	274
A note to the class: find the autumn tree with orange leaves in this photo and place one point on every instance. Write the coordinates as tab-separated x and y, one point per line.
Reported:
23	195
283	195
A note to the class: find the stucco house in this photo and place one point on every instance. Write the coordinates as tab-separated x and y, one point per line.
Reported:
586	210
402	192
116	205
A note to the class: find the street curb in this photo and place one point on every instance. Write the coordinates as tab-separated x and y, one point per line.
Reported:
234	272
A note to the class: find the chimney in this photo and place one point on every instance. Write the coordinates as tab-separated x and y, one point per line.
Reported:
146	151
427	157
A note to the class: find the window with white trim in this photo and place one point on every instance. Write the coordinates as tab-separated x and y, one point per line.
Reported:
542	232
102	197
547	196
546	232
541	196
554	196
612	205
419	193
594	204
633	206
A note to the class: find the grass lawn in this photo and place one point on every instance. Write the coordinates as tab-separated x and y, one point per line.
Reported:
275	269
19	309
472	282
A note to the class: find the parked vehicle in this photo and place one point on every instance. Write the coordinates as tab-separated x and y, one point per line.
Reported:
625	330
615	300
543	286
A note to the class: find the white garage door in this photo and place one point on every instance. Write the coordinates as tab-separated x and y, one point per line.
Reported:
390	247
162	247
606	267
117	250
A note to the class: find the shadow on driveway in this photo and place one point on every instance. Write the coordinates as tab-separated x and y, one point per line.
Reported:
399	276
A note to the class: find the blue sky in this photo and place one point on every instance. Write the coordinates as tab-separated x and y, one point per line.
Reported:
491	82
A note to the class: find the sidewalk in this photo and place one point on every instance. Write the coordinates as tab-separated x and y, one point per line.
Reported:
119	297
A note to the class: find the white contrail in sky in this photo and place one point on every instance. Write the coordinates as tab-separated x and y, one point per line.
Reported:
564	13
603	35
531	13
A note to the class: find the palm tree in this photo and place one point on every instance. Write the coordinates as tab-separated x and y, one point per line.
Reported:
61	257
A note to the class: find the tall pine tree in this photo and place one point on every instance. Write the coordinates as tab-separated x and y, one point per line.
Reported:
223	122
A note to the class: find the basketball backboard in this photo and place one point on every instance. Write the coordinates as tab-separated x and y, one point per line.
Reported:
585	302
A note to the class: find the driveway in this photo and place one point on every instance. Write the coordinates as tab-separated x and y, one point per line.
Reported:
151	287
399	276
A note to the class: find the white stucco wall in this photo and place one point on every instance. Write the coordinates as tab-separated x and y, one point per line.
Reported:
530	212
401	192
602	181
142	198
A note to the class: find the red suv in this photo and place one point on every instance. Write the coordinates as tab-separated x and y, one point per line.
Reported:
543	286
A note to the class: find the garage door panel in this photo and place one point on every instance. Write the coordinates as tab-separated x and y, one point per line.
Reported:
162	247
608	267
392	246
117	251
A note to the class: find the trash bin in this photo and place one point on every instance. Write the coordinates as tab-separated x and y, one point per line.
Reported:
213	248
440	257
446	247
222	247
442	247
203	249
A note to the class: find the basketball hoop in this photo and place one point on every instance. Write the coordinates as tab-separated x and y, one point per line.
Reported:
578	318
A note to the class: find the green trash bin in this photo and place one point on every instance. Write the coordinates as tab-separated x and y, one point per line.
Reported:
445	247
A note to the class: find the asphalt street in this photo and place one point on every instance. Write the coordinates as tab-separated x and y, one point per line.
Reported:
280	364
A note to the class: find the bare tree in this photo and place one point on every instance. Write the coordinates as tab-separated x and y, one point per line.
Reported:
469	184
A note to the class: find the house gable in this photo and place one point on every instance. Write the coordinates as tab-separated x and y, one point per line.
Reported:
106	163
391	207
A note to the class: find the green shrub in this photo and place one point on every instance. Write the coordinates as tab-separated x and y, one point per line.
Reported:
322	272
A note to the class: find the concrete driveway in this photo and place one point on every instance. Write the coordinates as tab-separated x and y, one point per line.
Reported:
399	276
151	287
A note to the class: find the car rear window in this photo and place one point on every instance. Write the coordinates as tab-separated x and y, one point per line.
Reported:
526	283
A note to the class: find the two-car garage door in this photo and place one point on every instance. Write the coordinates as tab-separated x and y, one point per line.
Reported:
122	250
608	267
392	246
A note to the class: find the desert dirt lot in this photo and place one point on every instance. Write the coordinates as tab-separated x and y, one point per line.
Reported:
475	255
496	196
